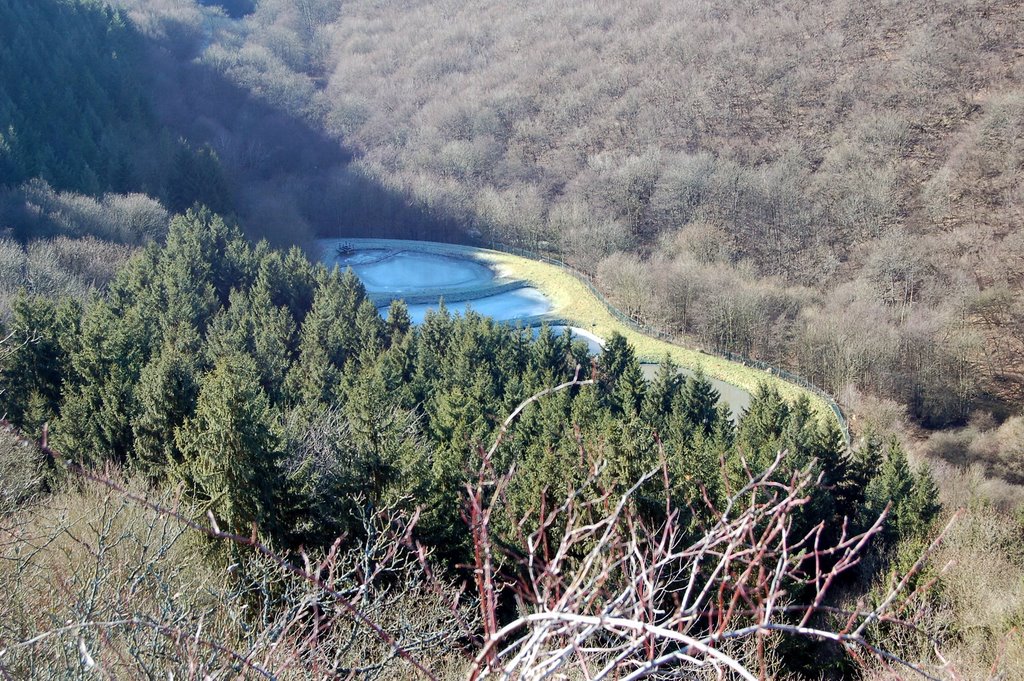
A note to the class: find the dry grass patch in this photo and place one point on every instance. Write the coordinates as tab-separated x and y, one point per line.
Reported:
96	585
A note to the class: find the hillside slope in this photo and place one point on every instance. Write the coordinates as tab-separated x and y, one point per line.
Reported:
828	186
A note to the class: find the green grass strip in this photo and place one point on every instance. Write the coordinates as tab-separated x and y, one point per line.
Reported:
573	301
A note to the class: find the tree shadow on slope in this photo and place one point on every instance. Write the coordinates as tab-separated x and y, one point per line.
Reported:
91	103
288	181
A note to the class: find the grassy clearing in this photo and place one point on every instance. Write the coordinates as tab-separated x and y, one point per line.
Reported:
575	303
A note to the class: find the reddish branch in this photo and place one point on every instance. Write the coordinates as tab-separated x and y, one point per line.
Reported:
610	595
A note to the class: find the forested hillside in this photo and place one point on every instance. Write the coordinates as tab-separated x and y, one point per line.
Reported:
74	115
77	112
271	394
219	457
831	186
71	107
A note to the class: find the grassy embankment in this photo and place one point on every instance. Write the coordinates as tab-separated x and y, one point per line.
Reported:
575	303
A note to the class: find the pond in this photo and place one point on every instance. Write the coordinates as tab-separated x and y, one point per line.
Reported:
423	274
408	272
521	304
393	270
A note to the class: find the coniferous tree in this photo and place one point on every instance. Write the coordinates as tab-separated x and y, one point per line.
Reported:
801	435
893	485
923	506
616	356
99	396
196	177
432	340
620	379
661	395
272	342
290	279
398	322
371	331
31	370
381	434
699	402
167	392
252	325
867	459
547	357
724	433
328	339
839	472
630	389
73	109
763	426
231	448
204	259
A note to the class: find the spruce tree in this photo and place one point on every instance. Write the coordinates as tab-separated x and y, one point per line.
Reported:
923	506
620	379
328	339
839	472
290	280
699	402
547	356
99	394
231	448
616	356
630	390
893	485
33	360
763	426
662	394
380	434
167	392
371	331
398	322
196	177
867	458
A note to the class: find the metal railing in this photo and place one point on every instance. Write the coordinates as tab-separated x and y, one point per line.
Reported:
638	325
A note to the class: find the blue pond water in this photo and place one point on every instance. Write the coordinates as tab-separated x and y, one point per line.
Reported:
410	272
508	306
404	271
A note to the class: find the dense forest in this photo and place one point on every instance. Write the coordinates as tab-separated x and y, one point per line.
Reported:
272	393
218	457
743	175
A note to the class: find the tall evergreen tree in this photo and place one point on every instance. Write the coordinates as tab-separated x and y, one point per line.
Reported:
33	360
661	395
616	356
763	426
398	322
620	379
196	177
912	497
839	472
328	339
382	436
699	402
371	331
99	396
231	448
167	391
